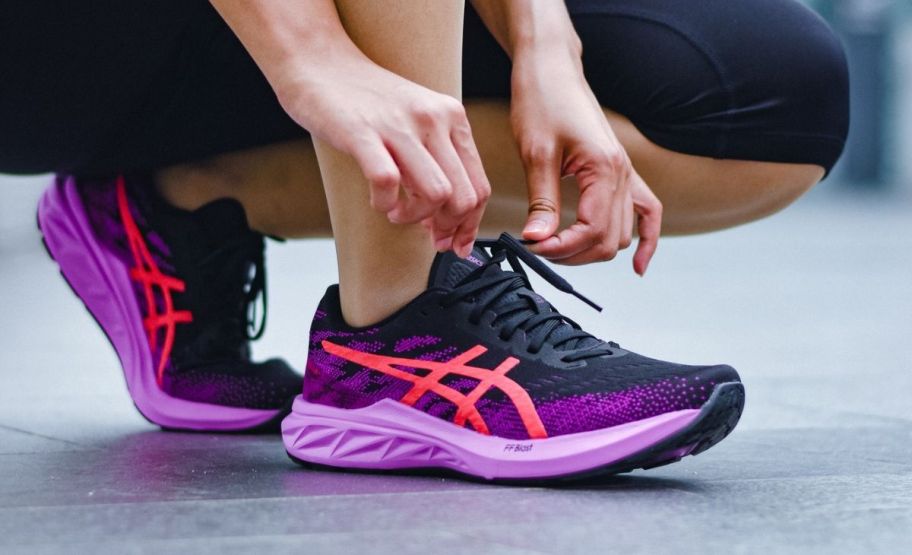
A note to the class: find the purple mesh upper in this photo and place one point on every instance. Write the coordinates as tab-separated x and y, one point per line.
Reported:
334	381
238	383
581	413
100	201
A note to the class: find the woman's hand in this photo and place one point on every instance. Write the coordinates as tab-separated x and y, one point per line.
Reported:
561	130
413	145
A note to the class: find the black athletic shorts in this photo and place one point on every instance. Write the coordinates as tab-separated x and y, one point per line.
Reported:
107	86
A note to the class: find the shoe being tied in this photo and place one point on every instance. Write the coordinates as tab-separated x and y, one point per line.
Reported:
173	291
482	376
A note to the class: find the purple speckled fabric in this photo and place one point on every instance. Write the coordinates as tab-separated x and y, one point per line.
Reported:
234	382
329	381
100	201
566	401
582	413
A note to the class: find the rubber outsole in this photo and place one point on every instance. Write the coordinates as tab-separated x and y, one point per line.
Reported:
83	274
715	420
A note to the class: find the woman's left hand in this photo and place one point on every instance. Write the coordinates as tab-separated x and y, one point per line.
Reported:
561	130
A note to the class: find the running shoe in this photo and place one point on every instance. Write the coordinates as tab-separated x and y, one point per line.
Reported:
175	292
481	376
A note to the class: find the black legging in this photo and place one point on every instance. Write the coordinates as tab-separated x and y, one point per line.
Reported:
109	86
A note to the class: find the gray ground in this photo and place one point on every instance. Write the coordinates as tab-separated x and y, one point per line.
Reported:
812	306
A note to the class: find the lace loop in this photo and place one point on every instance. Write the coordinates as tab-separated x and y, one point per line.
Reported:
246	254
516	251
517	308
256	289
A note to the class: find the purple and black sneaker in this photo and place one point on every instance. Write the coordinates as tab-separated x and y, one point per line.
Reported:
482	376
173	290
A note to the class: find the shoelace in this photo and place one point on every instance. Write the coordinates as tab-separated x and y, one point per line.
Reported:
246	253
257	288
488	288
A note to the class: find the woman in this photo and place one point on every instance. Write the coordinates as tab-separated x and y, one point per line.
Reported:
177	131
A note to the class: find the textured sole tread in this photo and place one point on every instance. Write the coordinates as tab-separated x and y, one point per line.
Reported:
716	420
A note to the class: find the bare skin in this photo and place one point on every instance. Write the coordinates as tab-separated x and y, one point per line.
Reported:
398	160
281	189
400	169
383	265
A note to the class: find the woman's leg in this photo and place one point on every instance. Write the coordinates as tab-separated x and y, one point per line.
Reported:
703	187
699	193
279	184
382	265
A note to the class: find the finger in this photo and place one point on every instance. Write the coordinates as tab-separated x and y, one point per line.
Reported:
611	244
627	223
543	177
464	239
448	221
593	213
425	184
566	245
606	245
649	226
380	170
471	161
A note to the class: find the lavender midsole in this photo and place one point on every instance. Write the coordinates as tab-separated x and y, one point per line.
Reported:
390	435
102	282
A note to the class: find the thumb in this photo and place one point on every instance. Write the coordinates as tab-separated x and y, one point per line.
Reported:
543	176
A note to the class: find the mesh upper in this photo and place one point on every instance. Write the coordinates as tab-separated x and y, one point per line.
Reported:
597	393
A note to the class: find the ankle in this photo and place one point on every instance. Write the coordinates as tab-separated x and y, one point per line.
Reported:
379	294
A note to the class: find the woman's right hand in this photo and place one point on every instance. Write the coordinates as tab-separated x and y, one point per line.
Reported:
414	145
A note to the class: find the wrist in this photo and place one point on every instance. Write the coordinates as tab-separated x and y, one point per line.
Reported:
299	72
542	60
530	43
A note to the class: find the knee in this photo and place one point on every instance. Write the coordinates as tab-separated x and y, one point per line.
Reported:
815	63
735	192
777	185
807	75
793	180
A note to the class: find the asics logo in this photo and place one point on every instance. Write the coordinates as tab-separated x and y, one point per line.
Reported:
466	410
147	274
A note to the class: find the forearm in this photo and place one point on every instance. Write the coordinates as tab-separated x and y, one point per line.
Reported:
289	40
524	26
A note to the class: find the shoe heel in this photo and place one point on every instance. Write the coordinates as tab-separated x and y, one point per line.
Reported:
102	282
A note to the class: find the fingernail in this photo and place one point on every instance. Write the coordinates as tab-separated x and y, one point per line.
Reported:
535	226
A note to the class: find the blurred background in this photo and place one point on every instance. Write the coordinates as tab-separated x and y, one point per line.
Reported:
812	305
878	39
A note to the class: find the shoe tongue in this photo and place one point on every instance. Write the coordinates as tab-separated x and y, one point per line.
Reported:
448	269
221	220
